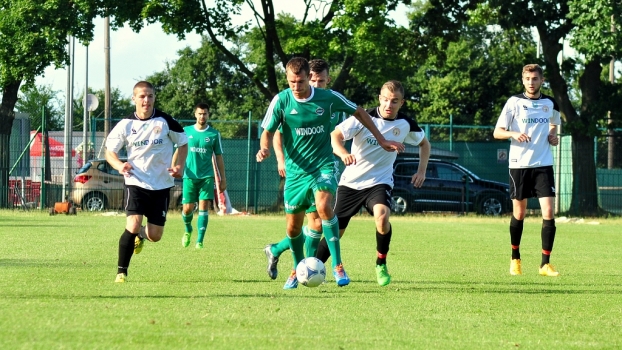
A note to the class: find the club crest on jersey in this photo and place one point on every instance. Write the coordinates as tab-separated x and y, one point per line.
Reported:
396	132
535	105
207	139
157	129
545	109
319	111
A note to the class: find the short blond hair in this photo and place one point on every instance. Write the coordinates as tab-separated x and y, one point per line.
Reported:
533	68
393	86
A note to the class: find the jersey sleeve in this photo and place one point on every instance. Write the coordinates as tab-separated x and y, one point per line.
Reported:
350	128
175	131
218	145
414	137
342	104
507	114
556	116
116	138
273	118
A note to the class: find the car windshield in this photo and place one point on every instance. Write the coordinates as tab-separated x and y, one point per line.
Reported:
84	168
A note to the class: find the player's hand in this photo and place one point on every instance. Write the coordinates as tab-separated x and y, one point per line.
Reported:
521	137
418	179
127	169
553	140
262	154
392	146
281	168
176	171
348	159
223	185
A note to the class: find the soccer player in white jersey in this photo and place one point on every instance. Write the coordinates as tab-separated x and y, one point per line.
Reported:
320	78
530	121
367	180
304	113
149	136
199	174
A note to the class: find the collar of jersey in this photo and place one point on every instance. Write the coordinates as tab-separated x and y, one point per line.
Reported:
152	114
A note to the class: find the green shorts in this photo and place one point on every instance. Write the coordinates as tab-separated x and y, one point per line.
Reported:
197	189
336	174
299	191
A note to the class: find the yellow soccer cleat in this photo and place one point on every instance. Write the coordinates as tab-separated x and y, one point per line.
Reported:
515	268
138	244
120	278
548	270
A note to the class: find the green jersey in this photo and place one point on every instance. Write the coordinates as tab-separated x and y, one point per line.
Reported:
201	145
306	125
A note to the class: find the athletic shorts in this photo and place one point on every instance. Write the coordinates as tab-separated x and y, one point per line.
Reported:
336	173
532	182
153	204
350	201
197	189
299	190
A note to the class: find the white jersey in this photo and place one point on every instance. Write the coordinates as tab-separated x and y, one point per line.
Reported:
149	145
374	165
532	117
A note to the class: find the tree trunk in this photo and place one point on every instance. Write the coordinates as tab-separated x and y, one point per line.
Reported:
7	115
584	189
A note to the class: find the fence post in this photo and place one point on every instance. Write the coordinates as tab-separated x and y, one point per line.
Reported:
248	159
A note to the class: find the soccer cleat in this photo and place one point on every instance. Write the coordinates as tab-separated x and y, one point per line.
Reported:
199	245
341	277
185	239
272	262
292	281
515	268
138	244
548	270
382	275
120	278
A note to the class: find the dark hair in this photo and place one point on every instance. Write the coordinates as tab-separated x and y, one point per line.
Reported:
393	86
533	68
201	105
143	84
297	65
318	65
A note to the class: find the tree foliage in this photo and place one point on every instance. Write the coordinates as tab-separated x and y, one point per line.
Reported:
35	98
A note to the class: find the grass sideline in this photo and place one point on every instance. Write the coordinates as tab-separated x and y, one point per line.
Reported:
450	288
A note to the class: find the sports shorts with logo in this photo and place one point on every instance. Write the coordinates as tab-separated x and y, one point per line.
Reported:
350	201
337	174
532	182
153	204
197	189
299	191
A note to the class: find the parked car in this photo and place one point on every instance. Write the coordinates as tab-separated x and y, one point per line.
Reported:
447	187
98	186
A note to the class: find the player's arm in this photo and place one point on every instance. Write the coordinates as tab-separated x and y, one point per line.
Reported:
174	159
365	119
553	139
503	134
220	163
264	145
177	168
337	140
277	144
425	149
123	168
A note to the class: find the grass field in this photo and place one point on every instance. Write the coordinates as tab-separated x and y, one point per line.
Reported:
450	289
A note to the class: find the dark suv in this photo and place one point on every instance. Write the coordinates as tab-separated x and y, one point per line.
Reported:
447	187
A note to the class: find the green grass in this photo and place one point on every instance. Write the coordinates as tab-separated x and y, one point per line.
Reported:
450	288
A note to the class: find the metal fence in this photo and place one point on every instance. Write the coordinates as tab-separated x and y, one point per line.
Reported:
256	187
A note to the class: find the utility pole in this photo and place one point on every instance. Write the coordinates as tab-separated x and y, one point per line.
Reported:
611	141
107	77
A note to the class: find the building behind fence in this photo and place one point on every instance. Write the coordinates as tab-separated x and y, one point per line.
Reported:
256	187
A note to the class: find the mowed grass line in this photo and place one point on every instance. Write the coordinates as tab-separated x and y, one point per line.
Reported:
450	289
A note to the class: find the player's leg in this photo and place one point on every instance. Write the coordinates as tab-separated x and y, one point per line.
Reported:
296	244
312	232
298	197
206	194
188	200
519	193
347	204
126	245
330	228
379	199
545	190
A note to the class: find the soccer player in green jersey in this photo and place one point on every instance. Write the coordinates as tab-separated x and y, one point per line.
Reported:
319	78
198	186
304	113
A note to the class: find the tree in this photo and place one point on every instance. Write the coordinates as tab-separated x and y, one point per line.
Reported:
119	108
555	20
33	98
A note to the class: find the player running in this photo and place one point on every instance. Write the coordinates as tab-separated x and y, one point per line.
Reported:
367	180
304	113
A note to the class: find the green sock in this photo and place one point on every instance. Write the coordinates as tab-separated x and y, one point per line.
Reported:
187	219
312	240
296	244
331	233
202	225
279	248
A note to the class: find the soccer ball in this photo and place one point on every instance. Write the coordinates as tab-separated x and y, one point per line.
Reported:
311	272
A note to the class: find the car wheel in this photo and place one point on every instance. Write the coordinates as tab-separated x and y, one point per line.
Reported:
490	205
94	202
399	204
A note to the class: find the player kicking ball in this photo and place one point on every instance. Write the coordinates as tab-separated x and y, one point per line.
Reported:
367	180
